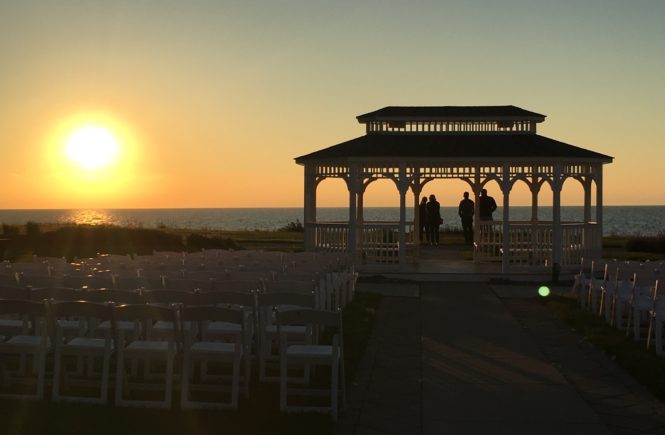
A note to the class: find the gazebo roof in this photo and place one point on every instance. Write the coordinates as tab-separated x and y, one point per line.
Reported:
481	147
435	113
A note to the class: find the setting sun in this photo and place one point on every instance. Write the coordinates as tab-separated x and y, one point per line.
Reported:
92	147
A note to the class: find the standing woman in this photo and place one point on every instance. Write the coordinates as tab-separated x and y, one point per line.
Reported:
422	212
433	220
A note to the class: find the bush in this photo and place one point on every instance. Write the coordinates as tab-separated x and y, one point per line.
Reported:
10	231
196	242
294	227
647	244
32	230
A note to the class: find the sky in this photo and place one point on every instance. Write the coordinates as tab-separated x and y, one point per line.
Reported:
210	101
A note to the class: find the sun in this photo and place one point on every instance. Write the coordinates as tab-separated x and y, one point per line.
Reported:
92	147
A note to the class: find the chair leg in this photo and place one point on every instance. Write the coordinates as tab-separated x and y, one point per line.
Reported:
282	382
184	385
169	379
57	368
106	367
119	378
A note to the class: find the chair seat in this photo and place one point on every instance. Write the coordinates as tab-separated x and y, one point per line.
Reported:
163	325
212	347
121	325
289	329
25	341
309	351
224	327
85	344
147	346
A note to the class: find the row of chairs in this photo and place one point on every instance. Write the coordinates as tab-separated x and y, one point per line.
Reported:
626	294
163	334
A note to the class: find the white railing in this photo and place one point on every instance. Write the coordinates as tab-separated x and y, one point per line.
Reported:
377	242
530	243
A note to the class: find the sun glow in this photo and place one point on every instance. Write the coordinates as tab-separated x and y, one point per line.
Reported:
92	160
92	147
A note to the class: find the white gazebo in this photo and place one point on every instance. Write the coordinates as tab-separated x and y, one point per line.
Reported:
414	145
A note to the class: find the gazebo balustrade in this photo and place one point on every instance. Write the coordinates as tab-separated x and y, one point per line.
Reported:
412	146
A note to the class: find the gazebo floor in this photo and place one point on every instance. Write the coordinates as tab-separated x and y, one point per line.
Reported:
452	263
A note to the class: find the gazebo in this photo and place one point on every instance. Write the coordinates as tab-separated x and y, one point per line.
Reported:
414	145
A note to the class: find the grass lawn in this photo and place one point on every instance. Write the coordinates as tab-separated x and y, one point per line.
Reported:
259	414
643	365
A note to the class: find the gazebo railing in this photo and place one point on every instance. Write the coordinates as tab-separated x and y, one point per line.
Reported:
531	242
376	242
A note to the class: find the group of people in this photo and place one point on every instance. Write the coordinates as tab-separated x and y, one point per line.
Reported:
430	215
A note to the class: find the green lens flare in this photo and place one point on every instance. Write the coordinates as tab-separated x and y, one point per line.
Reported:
544	291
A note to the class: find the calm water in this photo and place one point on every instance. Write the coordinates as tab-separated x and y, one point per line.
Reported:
623	220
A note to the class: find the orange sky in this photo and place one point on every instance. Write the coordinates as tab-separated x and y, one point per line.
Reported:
212	100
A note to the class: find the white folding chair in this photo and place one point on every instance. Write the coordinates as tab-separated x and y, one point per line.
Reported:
312	353
85	349
206	351
268	339
32	341
144	349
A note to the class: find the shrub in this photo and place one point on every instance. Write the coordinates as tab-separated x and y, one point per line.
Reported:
647	244
294	227
32	230
196	242
10	231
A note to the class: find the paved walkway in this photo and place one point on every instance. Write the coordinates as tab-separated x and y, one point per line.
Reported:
455	358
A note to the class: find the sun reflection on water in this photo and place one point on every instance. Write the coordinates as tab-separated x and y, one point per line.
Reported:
91	217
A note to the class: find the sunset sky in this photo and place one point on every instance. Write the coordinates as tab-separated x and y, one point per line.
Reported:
210	101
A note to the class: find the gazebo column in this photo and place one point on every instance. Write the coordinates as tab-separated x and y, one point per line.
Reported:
353	184
599	209
476	207
535	189
587	199
403	186
557	243
309	216
416	188
505	188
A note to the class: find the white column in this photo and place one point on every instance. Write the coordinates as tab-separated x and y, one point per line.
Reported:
505	188
587	199
353	182
476	206
557	244
535	189
403	187
416	188
309	216
599	209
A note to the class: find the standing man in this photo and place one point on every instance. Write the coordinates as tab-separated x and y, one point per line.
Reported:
465	211
433	220
486	206
422	211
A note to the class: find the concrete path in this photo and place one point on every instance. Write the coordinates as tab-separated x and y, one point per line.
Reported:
454	358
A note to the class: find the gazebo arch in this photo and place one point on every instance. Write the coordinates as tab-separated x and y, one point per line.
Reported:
414	145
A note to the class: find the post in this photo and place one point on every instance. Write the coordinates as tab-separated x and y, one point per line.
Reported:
557	243
535	188
403	187
309	213
599	209
352	184
505	188
476	210
416	188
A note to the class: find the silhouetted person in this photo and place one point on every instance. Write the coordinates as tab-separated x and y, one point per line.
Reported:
433	220
486	206
422	210
466	211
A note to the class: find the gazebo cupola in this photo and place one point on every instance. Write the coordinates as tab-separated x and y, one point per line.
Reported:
477	144
451	119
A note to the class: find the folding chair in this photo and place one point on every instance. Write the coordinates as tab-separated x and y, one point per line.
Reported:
85	349
32	341
206	351
315	354
144	349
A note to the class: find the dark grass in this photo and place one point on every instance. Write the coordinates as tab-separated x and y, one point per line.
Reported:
645	366
258	415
